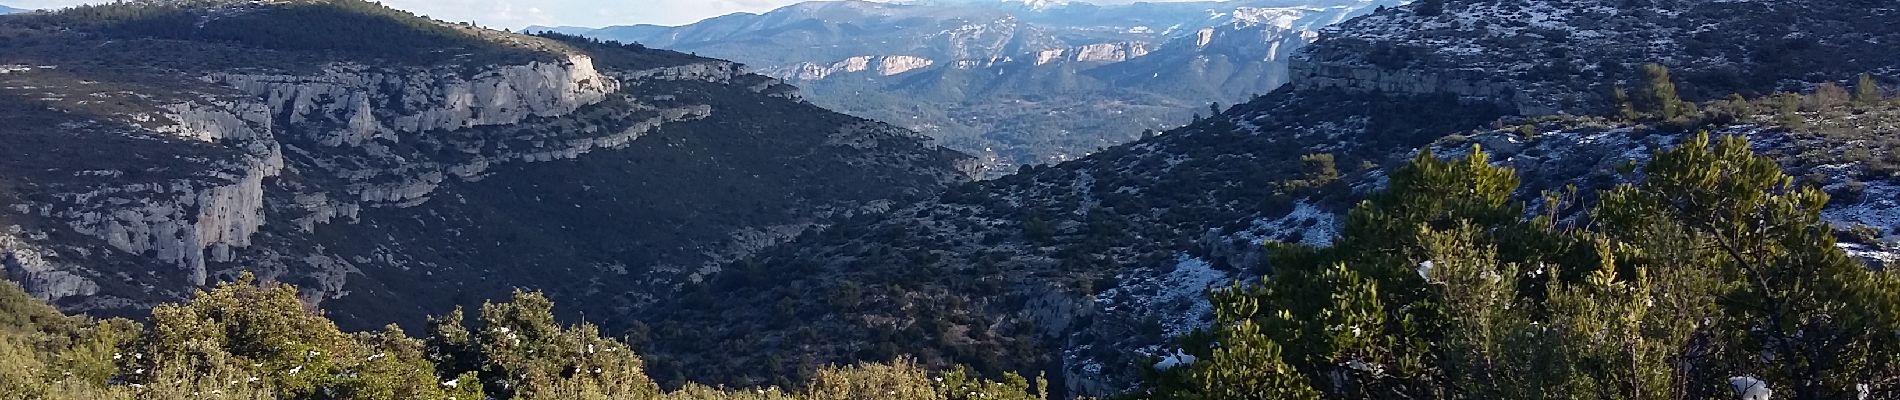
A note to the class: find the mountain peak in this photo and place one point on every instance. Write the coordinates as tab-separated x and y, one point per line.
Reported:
1033	5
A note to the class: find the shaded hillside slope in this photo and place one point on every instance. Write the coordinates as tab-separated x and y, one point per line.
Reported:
393	166
1088	268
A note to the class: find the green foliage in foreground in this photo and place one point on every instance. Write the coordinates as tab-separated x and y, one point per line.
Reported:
1715	267
245	340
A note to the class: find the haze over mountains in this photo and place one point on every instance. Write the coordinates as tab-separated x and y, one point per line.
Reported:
1023	83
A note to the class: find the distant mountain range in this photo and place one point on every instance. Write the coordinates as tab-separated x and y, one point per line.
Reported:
9	10
1021	82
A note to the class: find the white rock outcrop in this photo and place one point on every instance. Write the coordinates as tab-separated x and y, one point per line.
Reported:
36	271
880	65
715	72
355	103
187	222
1111	52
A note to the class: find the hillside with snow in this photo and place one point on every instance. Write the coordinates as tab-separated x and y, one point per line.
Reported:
1085	264
1020	82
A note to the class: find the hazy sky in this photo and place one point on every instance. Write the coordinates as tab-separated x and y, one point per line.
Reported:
515	14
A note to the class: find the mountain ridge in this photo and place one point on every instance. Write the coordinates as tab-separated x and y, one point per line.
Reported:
338	161
740	236
1087	268
1077	77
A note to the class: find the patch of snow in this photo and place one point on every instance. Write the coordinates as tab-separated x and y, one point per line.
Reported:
1878	208
1750	388
1178	297
1174	360
1312	225
1085	187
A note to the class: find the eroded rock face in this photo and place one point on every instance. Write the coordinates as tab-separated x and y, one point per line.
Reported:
193	222
388	191
1310	74
878	65
34	268
187	222
1111	52
351	97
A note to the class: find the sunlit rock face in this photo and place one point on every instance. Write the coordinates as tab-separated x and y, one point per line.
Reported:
351	95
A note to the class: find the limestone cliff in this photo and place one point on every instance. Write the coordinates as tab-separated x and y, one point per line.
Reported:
133	184
412	100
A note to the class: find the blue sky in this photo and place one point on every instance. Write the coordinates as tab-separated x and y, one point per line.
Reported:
515	14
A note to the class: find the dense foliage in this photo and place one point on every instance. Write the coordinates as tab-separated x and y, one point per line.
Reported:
1713	276
246	340
347	27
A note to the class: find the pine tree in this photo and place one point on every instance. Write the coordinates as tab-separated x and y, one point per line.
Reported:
1624	108
244	336
1790	293
1317	170
1867	91
1788	112
1248	365
1828	95
1716	266
1660	97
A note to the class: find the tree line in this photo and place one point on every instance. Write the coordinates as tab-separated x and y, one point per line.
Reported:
251	340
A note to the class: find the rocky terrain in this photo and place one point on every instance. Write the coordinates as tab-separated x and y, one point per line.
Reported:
737	234
404	166
1088	269
1016	82
1542	57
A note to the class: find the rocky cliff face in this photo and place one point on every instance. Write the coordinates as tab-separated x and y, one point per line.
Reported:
135	185
416	101
1308	74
